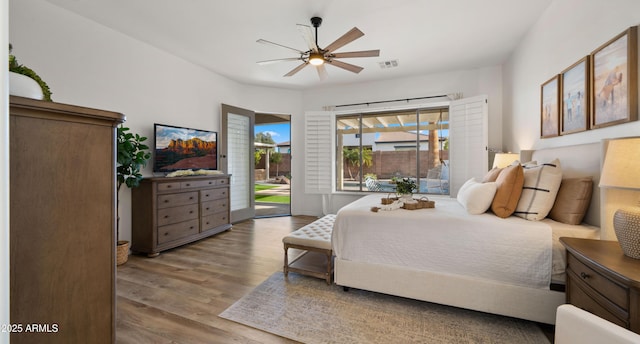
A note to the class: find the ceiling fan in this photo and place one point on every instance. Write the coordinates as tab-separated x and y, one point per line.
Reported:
321	57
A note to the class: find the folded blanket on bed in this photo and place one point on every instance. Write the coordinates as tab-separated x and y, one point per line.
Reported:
446	239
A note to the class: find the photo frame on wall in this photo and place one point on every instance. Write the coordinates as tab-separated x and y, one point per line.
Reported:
574	113
549	106
614	81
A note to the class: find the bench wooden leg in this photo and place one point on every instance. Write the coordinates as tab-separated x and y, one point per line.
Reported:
286	260
303	267
329	266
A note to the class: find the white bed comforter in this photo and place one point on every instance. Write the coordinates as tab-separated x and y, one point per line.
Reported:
447	240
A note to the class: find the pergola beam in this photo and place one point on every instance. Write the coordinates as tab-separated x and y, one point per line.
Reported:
411	128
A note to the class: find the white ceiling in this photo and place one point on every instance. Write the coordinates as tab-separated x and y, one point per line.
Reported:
425	36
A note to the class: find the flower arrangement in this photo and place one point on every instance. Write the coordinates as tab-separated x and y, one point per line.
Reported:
406	186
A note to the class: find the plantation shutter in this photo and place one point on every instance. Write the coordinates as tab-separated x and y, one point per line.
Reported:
469	140
319	148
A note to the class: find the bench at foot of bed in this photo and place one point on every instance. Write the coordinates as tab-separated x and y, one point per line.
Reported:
315	240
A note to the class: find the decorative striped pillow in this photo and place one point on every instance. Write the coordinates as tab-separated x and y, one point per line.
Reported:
541	184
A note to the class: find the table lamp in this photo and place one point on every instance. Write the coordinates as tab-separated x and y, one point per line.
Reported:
504	159
621	170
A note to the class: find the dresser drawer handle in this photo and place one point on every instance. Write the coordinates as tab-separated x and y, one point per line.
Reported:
191	212
207	209
166	216
166	201
207	195
187	184
166	233
584	275
191	197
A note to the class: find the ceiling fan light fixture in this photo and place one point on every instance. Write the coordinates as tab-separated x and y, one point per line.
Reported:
316	59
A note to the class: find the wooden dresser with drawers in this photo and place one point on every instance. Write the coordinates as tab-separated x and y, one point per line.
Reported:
169	212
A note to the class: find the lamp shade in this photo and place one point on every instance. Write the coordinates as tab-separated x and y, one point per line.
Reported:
504	159
621	167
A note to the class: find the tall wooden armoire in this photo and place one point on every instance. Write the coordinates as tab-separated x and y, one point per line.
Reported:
62	222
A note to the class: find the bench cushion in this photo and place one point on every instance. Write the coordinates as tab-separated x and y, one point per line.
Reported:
316	234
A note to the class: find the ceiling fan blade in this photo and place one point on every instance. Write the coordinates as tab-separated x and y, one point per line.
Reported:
322	72
297	69
265	62
264	41
364	53
347	66
307	34
348	37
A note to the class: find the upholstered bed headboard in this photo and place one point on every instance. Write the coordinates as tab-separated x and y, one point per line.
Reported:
576	161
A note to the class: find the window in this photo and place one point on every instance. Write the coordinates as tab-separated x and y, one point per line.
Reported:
372	149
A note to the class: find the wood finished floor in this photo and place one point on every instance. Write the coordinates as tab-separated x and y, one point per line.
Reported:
177	296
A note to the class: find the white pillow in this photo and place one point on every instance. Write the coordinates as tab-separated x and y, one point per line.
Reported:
541	184
476	197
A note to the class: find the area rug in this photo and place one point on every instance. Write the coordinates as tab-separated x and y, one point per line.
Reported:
308	310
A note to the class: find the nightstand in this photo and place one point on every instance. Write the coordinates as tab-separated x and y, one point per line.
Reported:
603	281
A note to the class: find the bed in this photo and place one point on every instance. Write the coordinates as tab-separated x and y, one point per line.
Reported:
475	265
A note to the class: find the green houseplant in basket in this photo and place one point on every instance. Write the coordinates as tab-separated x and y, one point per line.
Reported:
405	187
132	156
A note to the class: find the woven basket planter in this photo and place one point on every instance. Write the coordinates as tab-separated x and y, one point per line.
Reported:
122	252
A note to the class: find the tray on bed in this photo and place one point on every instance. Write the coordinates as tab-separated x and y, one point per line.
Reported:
422	203
415	203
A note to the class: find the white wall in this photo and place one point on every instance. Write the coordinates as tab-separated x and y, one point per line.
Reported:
567	31
4	170
90	65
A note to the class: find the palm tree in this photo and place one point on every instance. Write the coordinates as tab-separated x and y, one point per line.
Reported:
352	156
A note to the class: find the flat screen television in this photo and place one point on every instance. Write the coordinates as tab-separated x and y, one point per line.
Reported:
179	148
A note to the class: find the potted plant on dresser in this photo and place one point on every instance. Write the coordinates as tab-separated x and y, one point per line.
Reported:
132	156
25	82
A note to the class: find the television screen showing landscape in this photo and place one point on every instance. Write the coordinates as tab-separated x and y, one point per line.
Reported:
178	148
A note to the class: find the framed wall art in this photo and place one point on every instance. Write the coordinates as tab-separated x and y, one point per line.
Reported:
574	113
614	81
549	106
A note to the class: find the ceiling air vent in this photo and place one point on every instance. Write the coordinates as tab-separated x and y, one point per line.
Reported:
389	64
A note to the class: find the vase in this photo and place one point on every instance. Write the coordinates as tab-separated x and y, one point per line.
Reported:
23	86
405	197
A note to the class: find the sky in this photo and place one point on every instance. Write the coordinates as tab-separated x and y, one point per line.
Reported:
280	132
